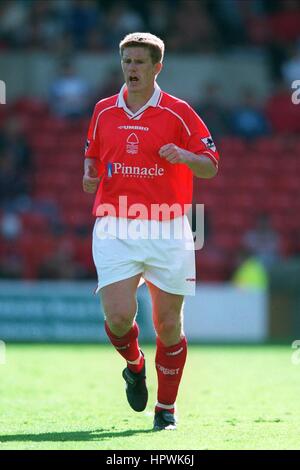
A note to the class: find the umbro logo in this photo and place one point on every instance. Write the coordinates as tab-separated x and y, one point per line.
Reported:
135	128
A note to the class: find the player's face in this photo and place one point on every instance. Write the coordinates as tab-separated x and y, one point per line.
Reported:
138	69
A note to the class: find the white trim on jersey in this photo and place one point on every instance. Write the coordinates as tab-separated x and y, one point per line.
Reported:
154	101
212	156
188	130
179	117
155	98
101	112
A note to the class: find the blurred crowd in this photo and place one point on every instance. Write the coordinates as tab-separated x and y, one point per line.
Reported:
196	26
72	96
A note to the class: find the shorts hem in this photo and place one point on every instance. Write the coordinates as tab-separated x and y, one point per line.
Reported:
170	290
115	279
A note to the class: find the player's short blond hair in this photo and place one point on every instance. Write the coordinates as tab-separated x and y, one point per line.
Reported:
155	45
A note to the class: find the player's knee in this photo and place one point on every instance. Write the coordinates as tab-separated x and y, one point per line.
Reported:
119	322
168	327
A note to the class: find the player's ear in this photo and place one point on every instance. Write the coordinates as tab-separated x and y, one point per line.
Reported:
158	67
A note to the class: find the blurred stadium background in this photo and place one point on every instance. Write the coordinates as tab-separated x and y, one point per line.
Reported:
234	61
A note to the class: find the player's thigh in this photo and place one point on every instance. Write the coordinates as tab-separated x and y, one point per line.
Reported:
119	298
167	307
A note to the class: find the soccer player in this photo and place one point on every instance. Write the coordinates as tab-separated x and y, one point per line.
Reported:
143	148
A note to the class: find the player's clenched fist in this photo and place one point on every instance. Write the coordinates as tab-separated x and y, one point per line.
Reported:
90	180
172	153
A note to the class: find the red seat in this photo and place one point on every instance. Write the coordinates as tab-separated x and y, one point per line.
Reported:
212	266
35	222
228	241
31	106
84	252
232	145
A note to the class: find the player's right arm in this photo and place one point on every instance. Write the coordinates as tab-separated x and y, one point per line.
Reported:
90	179
92	164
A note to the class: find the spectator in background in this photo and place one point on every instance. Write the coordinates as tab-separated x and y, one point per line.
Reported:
45	26
12	265
120	20
15	163
96	41
192	29
110	86
291	67
158	17
213	110
13	21
249	120
10	226
251	272
285	22
229	21
13	140
263	242
82	18
61	264
69	93
282	113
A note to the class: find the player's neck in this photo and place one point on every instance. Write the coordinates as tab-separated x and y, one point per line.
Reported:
136	100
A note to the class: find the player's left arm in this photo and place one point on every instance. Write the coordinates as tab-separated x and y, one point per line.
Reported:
201	165
195	148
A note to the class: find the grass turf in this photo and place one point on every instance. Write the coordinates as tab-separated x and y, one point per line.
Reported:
72	397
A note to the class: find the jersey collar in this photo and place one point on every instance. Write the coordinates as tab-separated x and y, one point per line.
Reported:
154	101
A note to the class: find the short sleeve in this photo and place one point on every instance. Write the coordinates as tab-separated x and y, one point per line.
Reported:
196	137
92	147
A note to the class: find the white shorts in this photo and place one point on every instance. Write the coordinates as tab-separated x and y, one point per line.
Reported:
163	252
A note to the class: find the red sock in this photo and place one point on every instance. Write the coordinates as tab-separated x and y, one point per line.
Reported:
169	363
128	347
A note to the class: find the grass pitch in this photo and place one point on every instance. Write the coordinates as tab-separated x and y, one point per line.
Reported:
72	397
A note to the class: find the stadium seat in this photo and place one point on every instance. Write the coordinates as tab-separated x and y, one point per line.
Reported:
38	223
212	265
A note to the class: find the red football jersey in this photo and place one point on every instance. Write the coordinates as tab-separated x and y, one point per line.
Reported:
136	181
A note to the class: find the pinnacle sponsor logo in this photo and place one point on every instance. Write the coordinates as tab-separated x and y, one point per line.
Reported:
130	171
166	371
110	170
134	128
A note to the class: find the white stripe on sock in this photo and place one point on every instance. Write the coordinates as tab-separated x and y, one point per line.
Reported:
136	362
174	353
165	407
